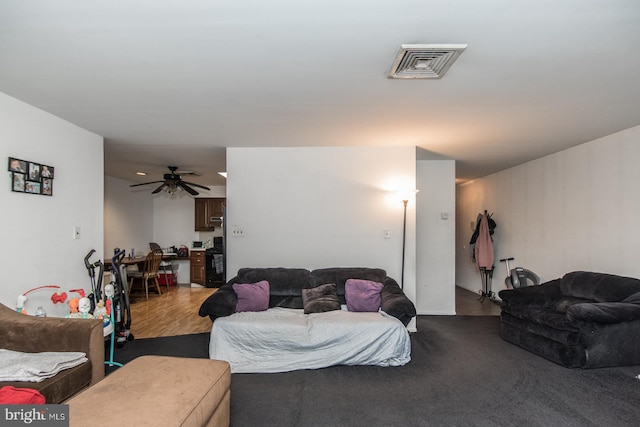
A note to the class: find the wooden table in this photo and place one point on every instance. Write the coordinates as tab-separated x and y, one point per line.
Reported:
139	260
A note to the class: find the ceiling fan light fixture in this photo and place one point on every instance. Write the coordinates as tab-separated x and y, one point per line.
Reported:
173	183
172	189
424	61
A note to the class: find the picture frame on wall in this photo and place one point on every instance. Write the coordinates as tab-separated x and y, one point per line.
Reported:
34	171
47	186
46	171
18	180
32	187
30	177
17	165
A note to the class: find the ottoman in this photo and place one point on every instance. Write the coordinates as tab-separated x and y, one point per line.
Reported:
158	391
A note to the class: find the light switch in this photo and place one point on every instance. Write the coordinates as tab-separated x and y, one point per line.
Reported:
76	233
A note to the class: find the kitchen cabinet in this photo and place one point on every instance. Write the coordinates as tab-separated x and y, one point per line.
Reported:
208	211
197	269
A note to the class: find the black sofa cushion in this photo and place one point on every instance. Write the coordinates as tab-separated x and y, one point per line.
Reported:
220	304
282	281
567	355
320	299
564	303
604	312
565	333
395	302
543	295
549	318
599	287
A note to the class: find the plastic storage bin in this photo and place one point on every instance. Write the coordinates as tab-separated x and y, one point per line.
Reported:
167	278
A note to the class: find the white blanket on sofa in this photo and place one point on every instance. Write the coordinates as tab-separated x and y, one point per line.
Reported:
283	339
36	367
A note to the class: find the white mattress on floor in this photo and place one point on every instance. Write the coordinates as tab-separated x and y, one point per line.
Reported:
283	339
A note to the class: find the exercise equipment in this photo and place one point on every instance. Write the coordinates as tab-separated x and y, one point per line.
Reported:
109	292
96	287
120	305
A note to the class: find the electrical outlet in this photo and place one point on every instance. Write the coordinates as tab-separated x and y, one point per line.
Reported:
237	231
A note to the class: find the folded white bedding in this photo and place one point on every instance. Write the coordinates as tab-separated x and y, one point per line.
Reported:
282	339
36	367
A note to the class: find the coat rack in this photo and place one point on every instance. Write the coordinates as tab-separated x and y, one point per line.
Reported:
483	251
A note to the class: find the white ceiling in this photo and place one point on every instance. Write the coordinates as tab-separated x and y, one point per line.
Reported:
175	82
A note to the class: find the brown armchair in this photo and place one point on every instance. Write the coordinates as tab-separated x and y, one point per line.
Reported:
30	334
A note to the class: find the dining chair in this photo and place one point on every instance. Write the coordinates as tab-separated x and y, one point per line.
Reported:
165	266
149	272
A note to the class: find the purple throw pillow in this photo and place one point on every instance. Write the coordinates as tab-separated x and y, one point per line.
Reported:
362	295
252	296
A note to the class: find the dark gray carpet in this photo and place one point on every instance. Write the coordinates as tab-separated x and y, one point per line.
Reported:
461	374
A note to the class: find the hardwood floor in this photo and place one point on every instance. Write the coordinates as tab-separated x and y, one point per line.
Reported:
175	312
468	304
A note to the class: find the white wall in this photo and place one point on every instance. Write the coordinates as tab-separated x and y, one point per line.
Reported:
573	210
435	285
128	217
320	207
37	231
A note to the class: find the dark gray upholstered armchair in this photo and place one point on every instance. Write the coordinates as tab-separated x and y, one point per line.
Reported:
583	320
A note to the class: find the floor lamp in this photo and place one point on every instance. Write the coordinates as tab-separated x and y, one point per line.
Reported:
404	238
405	201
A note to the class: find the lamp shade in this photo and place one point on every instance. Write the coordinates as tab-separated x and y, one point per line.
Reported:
406	195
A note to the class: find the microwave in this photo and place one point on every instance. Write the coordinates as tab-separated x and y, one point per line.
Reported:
197	244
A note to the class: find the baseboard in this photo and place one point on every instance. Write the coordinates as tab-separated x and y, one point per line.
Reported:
438	313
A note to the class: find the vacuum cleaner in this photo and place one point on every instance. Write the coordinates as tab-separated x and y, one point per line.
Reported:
519	277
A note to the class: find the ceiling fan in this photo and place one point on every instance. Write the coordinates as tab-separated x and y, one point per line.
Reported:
173	182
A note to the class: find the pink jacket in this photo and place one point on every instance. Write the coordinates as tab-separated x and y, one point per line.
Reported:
484	245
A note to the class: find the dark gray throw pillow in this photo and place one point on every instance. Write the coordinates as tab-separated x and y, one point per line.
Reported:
320	299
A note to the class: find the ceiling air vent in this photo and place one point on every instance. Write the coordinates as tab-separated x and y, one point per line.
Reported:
424	61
